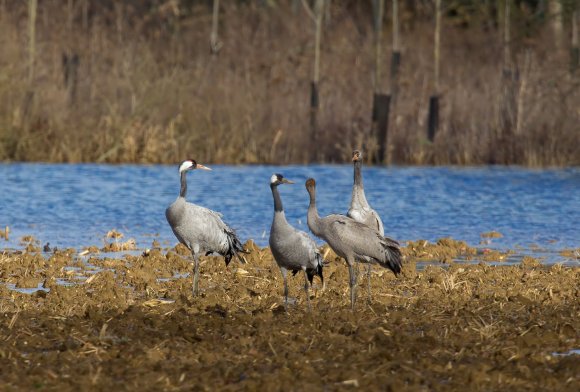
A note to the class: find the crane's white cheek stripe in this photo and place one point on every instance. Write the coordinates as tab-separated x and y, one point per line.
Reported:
185	165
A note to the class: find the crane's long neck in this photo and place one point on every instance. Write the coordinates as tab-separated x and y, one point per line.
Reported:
277	200
313	218
358	190
183	190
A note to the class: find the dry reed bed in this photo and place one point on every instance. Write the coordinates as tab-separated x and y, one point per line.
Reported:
149	91
476	327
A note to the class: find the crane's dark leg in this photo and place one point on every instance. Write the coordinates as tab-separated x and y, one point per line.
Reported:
352	276
284	275
195	274
306	286
369	268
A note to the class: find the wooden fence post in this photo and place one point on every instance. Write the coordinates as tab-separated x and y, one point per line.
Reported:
396	54
70	59
214	44
29	95
574	50
433	117
381	101
316	15
381	109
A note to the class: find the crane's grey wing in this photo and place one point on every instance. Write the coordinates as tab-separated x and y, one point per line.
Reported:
315	260
227	238
203	230
293	248
378	222
200	229
306	241
366	242
368	216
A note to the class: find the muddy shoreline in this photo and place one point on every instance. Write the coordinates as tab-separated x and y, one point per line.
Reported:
131	323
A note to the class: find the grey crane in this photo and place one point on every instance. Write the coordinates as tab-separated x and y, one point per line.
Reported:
352	240
200	229
360	210
293	249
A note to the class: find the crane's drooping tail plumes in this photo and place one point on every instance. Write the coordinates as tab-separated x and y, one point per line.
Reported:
316	271
393	259
235	247
312	272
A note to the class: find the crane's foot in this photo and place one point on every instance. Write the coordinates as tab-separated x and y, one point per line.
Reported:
370	297
352	297
306	292
352	281
196	278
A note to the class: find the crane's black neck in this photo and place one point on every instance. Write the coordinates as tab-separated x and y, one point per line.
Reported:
358	174
277	200
183	190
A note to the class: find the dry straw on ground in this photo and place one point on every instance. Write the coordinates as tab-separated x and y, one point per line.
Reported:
132	321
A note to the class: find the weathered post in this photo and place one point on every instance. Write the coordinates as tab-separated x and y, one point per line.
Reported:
574	50
119	13
381	101
316	16
85	15
503	137
556	20
29	96
381	109
396	54
433	117
70	60
214	44
508	76
32	8
70	66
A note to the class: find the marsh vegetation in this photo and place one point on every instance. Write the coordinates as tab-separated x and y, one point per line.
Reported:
108	81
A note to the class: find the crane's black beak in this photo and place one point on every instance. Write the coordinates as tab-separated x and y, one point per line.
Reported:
285	181
202	167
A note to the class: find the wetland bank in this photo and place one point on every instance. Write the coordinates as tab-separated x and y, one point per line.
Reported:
130	322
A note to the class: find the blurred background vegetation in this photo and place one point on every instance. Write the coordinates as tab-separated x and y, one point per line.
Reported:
155	81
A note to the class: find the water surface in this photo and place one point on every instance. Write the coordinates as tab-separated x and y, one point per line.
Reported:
75	205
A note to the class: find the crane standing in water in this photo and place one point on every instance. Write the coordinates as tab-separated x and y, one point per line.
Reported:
360	210
200	229
352	240
293	249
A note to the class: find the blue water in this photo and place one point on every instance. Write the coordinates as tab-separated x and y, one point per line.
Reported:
75	205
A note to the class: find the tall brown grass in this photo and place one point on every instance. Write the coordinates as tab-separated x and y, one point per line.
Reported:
149	90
